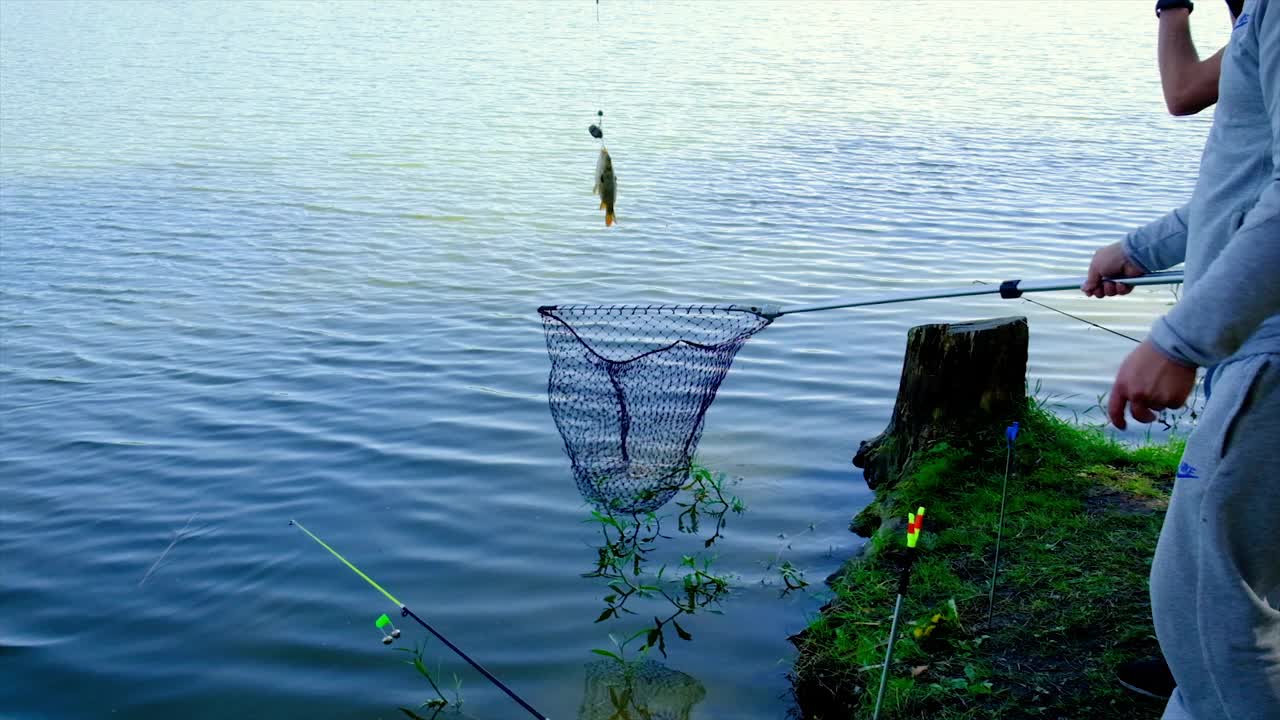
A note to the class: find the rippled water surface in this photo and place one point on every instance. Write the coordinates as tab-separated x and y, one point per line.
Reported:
263	261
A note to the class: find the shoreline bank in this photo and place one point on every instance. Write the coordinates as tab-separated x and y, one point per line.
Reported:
1082	518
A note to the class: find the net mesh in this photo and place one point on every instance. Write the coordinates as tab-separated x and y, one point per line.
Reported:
630	387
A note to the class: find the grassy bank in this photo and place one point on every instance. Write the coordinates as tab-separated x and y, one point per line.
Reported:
1081	525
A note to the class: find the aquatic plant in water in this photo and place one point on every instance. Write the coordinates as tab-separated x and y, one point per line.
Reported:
792	578
628	541
439	702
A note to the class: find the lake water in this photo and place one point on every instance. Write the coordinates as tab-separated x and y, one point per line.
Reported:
264	261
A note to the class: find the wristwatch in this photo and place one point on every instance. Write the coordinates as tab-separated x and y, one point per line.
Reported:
1174	5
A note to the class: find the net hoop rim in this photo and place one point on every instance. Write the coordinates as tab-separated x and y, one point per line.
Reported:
550	311
760	310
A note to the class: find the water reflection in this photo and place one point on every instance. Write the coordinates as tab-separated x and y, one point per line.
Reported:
642	690
435	713
636	690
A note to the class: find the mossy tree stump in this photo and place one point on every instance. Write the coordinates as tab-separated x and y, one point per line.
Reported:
957	379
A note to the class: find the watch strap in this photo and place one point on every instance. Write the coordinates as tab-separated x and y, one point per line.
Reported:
1174	5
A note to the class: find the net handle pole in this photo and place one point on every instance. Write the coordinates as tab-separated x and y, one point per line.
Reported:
1007	289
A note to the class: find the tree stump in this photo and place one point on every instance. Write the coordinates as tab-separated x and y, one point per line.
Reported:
956	378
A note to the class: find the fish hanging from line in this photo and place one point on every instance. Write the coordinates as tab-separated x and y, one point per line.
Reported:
606	185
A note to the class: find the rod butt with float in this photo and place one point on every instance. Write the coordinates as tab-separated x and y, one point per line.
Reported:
384	622
915	522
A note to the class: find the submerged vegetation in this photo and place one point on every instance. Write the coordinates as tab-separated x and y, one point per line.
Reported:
439	702
1082	520
623	562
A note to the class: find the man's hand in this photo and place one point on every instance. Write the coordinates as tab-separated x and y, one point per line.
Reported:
1110	261
1149	381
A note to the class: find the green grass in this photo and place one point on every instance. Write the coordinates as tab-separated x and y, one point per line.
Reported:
1081	524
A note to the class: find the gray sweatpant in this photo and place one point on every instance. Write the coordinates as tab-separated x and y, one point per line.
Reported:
1215	581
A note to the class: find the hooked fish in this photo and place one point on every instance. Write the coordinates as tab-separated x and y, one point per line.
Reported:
606	185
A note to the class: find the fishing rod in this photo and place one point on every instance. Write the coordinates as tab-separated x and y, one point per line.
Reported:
915	523
406	612
1009	289
1010	438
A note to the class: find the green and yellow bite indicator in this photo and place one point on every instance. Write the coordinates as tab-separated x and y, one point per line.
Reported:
382	624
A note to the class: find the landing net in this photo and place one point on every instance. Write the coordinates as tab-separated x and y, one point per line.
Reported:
630	387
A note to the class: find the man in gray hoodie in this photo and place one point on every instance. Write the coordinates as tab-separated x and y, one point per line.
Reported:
1189	85
1218	559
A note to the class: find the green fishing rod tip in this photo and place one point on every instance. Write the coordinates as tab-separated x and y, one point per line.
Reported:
347	562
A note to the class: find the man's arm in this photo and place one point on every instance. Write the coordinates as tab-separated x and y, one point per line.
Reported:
1241	287
1238	291
1190	85
1161	244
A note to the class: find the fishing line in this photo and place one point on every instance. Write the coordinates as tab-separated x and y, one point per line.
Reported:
1087	322
406	612
597	130
605	181
1076	317
178	537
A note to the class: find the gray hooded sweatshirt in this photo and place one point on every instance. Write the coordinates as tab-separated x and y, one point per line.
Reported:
1229	233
